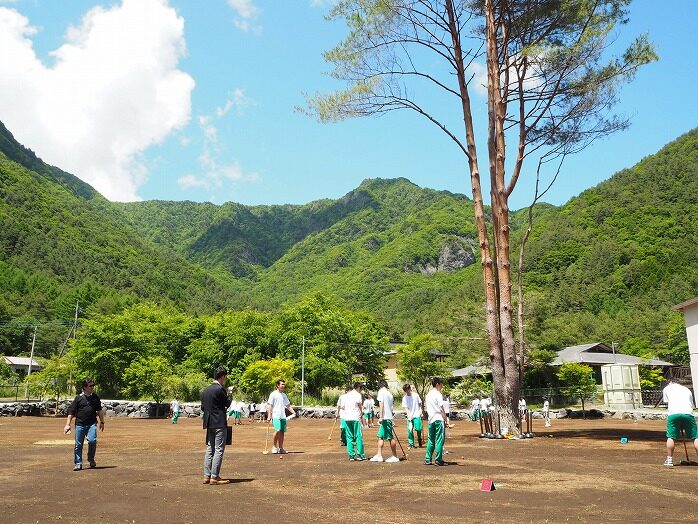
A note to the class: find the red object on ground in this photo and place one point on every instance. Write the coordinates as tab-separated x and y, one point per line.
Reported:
487	485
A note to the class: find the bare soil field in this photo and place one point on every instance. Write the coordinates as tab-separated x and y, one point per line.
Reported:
150	471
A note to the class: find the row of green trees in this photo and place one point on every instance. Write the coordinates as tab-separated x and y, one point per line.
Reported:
151	351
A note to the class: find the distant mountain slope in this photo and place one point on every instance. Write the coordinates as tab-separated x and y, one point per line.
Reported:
60	240
605	266
610	264
238	238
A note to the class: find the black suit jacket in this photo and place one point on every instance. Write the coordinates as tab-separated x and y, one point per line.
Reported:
214	403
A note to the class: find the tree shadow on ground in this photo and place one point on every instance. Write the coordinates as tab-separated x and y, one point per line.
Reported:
632	434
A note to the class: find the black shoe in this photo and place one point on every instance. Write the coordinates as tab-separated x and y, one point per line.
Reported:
428	462
93	464
440	463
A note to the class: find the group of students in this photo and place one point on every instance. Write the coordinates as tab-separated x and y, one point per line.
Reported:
352	408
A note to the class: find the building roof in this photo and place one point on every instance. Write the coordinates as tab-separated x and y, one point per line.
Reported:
598	353
22	361
471	370
595	353
685	305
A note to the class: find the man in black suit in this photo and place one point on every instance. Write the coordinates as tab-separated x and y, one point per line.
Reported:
214	403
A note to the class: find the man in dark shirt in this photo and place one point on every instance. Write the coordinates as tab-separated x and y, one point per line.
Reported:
214	403
85	409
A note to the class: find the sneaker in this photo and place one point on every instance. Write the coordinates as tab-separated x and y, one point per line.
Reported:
428	463
376	458
392	459
274	451
77	467
669	463
359	459
440	463
352	459
93	464
282	451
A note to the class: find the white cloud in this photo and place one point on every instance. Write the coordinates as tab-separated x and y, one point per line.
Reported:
238	99
247	12
479	73
113	90
215	173
189	181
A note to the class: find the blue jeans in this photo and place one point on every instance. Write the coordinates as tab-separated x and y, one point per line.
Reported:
80	433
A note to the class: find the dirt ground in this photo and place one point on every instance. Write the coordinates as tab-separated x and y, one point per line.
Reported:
150	471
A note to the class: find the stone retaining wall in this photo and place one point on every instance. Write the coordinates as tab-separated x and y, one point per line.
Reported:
139	409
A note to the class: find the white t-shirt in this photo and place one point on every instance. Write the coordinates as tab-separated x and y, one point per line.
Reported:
351	405
368	405
475	404
522	404
679	399
435	401
447	406
411	404
546	405
174	406
340	402
485	403
279	402
385	398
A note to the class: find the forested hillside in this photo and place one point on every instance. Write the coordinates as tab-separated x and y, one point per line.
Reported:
610	264
606	266
60	242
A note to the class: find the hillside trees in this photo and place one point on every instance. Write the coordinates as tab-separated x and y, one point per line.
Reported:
418	363
150	351
550	88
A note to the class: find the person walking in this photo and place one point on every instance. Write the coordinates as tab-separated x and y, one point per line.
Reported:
385	422
85	409
475	409
214	403
546	412
413	411
342	425
277	404
368	410
174	408
679	400
437	420
351	415
251	410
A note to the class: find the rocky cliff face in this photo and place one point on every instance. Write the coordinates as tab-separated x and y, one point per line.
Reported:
456	253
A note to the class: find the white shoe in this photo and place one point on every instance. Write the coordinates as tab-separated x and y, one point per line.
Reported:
274	451
376	458
392	459
669	463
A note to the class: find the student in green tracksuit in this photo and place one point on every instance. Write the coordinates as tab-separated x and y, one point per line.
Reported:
437	420
350	409
413	411
342	424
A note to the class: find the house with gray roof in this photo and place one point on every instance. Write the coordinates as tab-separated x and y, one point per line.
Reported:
595	354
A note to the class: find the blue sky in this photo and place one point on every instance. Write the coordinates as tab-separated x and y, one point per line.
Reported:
195	100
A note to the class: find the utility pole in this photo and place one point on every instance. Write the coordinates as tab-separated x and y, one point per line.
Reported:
31	359
303	372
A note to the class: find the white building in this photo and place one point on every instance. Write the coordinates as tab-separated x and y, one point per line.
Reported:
690	317
21	364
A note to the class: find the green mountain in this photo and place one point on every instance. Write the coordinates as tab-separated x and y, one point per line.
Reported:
60	241
605	266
